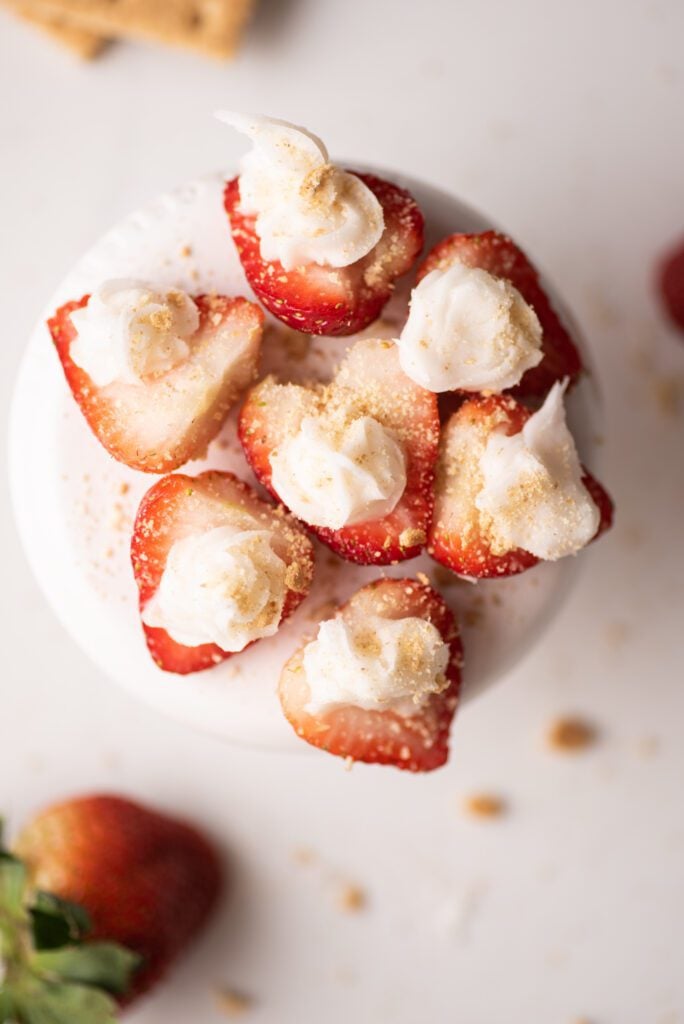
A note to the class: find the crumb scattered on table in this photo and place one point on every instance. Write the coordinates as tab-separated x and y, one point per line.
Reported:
485	805
668	393
616	634
303	855
571	734
473	617
351	899
232	1003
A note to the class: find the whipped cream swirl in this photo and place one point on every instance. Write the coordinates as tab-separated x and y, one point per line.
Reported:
337	474
307	210
532	495
377	664
226	587
468	331
130	333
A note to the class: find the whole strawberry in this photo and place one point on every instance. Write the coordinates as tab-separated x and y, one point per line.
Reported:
147	881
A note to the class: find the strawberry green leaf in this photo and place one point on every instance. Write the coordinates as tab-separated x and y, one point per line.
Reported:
105	965
12	884
50	931
57	922
7	1010
65	1004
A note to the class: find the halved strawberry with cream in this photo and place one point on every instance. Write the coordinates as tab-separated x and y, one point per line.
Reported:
500	256
380	682
319	299
217	568
510	490
156	373
355	459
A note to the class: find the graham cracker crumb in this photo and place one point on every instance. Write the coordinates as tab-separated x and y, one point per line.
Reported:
303	855
485	805
569	735
473	616
232	1003
411	537
615	634
668	393
351	899
296	578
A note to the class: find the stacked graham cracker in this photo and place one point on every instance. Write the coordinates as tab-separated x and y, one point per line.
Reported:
212	27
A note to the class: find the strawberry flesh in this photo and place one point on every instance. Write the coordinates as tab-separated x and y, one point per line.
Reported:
325	300
179	506
371	379
416	743
157	426
456	538
671	281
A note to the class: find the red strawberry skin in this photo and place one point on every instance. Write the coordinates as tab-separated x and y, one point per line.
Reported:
671	284
419	743
466	550
500	256
172	508
404	406
328	300
147	881
105	410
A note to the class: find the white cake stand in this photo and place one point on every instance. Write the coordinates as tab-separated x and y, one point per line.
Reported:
74	505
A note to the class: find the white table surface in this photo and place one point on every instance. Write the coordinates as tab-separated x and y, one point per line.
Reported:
565	124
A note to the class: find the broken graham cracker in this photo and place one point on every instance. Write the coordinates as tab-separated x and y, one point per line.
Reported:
212	27
81	41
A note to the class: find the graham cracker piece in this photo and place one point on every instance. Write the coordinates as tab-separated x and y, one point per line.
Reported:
81	41
211	26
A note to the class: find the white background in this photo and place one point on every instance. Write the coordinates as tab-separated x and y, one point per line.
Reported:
565	123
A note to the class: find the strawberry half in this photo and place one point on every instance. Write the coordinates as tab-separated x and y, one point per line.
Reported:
332	300
500	256
417	742
159	425
371	381
671	285
457	538
180	506
147	881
